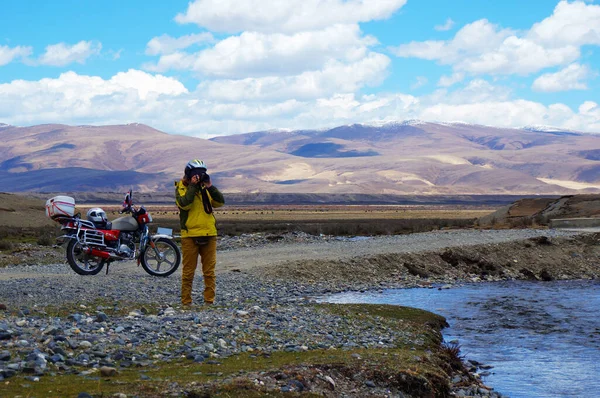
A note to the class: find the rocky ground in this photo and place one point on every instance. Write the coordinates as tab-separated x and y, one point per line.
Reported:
56	325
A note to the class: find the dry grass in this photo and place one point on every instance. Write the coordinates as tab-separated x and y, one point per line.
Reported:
333	212
317	212
236	220
331	220
28	234
22	211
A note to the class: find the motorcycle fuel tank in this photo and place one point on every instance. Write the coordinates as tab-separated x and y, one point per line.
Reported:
110	235
126	223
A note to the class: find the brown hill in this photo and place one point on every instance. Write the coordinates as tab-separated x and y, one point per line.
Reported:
393	158
105	158
431	158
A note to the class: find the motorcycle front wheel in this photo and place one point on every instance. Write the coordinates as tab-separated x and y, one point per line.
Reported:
83	263
161	260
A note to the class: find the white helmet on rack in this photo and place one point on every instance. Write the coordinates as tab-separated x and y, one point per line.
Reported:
97	215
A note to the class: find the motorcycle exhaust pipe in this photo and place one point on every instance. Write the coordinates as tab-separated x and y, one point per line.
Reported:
103	254
98	253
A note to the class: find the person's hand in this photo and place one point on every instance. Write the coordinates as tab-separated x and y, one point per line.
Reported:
207	183
195	179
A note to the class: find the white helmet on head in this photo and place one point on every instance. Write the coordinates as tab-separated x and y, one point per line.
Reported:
194	164
97	215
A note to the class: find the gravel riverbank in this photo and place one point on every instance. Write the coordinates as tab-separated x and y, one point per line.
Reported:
55	322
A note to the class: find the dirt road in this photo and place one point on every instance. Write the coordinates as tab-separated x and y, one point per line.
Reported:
277	254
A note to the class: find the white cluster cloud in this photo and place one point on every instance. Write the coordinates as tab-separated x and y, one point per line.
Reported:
166	44
484	48
62	54
8	54
325	54
302	63
573	77
475	91
334	77
253	54
449	24
572	23
473	39
72	97
164	102
447	81
275	16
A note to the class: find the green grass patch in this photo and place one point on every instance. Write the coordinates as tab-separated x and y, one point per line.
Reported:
28	234
192	376
413	320
420	368
23	254
387	311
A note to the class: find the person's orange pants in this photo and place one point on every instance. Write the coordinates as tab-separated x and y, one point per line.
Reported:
208	257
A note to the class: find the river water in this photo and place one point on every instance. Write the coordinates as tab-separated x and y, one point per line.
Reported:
542	338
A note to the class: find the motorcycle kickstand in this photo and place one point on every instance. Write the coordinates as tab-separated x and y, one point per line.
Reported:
107	265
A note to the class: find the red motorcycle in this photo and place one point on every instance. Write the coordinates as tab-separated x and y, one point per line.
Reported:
93	243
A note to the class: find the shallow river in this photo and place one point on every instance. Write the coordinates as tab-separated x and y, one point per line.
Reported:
542	338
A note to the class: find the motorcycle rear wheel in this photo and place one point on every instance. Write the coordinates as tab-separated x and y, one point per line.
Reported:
83	263
165	252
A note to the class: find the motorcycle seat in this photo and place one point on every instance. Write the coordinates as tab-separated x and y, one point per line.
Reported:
103	225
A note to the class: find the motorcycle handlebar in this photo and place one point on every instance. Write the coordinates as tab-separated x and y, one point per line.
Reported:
126	209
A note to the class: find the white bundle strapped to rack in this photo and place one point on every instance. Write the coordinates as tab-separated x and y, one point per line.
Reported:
60	206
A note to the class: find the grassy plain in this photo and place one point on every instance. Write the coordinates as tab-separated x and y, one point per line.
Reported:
23	218
327	219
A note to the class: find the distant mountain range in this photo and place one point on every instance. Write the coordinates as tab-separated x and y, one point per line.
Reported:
409	157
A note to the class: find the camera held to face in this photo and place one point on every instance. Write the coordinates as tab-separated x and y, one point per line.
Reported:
203	177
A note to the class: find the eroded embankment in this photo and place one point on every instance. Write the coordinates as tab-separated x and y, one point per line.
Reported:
539	258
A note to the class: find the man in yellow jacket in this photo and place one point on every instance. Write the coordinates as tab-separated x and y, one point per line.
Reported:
196	197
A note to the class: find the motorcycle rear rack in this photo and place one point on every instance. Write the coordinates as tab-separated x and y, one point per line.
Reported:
91	237
85	231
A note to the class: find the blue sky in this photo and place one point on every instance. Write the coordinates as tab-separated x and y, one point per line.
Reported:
214	67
